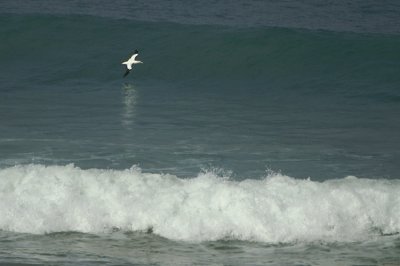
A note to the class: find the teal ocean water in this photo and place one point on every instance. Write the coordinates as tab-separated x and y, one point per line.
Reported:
254	133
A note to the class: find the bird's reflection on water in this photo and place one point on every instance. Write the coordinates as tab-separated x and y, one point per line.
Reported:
129	101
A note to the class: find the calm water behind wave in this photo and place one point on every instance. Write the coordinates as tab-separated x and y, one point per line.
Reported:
311	104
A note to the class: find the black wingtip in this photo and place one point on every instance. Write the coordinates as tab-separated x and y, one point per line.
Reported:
126	73
136	51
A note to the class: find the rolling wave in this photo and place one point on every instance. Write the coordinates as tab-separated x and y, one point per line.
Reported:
65	48
41	199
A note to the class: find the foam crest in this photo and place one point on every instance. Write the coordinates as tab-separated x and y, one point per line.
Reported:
278	208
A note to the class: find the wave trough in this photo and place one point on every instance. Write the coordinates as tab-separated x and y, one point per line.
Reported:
276	209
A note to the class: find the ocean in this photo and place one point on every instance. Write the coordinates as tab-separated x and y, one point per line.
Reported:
254	132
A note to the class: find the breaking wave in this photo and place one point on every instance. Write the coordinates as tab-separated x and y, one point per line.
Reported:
41	199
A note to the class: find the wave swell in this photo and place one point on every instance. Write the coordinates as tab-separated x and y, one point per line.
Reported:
83	47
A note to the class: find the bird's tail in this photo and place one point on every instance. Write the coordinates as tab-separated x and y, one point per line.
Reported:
125	63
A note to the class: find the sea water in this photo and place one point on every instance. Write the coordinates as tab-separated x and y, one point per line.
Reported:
255	133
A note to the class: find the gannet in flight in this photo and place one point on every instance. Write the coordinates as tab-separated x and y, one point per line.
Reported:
131	61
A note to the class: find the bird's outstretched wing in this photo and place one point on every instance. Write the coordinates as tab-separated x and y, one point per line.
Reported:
133	57
126	73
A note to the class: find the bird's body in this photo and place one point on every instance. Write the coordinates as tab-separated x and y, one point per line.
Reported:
130	62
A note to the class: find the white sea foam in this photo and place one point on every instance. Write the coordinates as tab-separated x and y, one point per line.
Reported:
278	208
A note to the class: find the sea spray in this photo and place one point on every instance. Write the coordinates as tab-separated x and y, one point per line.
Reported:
41	199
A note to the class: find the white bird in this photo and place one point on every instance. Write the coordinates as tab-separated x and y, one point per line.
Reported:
131	61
